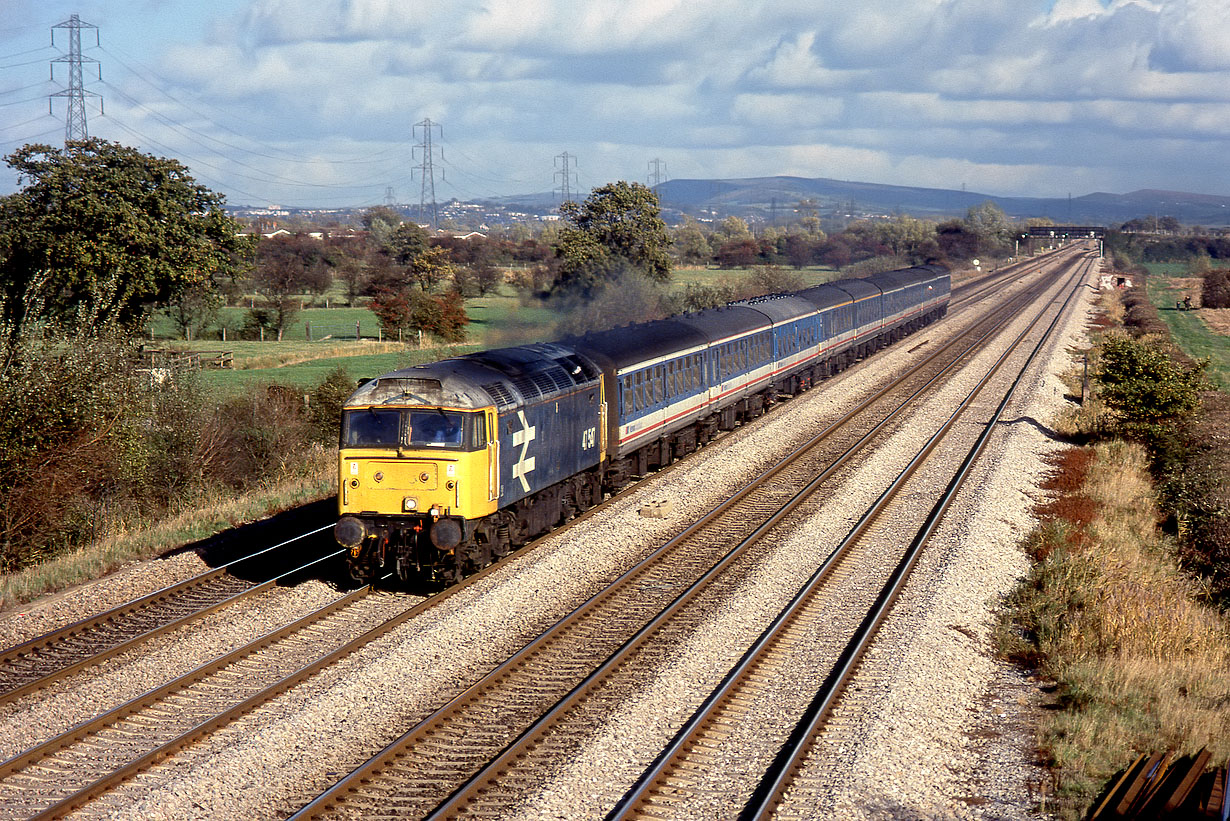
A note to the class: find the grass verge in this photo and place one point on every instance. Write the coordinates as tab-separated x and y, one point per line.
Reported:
203	518
1194	331
1141	663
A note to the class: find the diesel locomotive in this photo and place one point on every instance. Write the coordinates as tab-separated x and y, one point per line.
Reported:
447	467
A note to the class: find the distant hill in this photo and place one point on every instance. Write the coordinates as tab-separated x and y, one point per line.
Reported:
762	194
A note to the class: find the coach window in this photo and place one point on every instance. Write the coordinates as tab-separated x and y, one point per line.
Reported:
638	392
659	384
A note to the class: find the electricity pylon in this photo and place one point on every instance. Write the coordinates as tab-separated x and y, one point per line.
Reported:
74	121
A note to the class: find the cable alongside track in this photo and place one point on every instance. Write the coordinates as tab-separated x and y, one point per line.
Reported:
55	656
661	790
506	719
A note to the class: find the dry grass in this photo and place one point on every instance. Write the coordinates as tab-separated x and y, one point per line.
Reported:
1217	320
297	356
309	481
1141	663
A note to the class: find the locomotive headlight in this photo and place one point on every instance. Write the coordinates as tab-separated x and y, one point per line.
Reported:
409	503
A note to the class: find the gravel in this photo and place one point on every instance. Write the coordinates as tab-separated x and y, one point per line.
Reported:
946	734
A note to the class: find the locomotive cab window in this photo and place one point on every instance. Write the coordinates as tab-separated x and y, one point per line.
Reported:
439	428
371	428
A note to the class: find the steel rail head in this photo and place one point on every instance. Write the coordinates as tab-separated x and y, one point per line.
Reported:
64	672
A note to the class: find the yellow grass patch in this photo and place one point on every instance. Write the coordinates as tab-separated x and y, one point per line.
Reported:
1141	662
1217	320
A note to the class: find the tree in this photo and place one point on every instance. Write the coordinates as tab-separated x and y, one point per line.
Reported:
379	221
691	245
193	309
430	268
1215	289
104	234
354	273
408	310
956	240
732	229
619	224
738	253
990	224
406	243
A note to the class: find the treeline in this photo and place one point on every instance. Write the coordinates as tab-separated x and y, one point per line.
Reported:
413	282
1144	247
90	445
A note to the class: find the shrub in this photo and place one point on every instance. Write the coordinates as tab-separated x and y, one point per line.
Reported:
325	408
1215	289
1142	384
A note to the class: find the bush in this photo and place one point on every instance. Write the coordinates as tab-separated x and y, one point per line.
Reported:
89	447
1215	289
325	408
1143	385
1195	487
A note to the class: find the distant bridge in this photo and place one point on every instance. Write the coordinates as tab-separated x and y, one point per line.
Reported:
1068	231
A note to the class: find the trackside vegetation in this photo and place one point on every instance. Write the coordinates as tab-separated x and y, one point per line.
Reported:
1125	609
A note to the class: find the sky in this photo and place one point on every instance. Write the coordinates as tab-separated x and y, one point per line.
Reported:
319	103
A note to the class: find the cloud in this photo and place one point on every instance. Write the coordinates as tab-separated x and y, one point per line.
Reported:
1193	35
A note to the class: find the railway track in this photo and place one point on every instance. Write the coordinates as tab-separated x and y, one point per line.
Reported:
658	793
468	755
180	703
54	656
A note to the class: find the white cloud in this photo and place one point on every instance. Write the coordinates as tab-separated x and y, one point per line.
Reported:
1193	35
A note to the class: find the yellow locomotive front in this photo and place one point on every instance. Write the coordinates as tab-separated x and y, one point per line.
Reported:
414	471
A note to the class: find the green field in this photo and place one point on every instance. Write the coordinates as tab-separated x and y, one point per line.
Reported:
307	375
495	320
715	276
1188	331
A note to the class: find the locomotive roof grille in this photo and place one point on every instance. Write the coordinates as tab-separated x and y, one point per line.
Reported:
500	394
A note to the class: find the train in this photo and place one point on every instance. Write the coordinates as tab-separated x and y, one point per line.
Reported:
447	467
